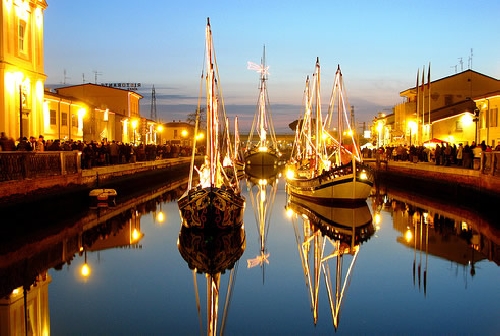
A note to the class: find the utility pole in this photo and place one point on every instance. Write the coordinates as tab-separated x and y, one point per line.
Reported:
95	76
153	104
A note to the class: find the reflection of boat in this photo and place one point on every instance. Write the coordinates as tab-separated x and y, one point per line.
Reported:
262	148
327	234
262	187
212	252
102	197
322	168
216	200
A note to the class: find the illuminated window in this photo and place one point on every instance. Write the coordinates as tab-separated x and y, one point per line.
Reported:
53	118
21	31
64	119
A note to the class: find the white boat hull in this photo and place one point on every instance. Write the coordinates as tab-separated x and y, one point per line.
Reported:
334	187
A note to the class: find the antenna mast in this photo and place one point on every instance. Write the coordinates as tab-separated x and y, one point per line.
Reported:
153	104
470	59
95	76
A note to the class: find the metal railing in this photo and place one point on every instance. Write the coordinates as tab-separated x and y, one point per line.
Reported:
18	165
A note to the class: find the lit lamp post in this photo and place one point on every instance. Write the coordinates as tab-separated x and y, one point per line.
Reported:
184	134
380	127
412	126
134	127
19	80
159	130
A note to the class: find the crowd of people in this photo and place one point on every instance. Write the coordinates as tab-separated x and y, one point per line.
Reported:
445	154
97	153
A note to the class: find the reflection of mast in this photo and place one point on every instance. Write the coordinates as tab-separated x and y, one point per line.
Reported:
262	189
329	233
419	220
212	252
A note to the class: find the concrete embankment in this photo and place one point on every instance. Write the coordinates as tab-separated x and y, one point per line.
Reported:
455	183
125	177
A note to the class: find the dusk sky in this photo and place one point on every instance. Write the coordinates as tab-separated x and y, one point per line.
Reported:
379	45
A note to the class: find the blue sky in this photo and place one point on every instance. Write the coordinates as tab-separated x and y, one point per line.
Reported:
379	46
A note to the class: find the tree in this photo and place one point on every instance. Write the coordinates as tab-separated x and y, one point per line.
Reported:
191	118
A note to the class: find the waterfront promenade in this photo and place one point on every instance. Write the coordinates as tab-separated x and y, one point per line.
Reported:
19	185
22	186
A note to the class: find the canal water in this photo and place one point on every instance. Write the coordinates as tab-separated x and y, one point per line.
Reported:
397	265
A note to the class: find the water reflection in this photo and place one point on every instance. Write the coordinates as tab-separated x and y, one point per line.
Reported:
439	229
408	264
262	186
212	252
26	259
325	235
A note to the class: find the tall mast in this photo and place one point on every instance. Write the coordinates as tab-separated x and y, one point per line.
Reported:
318	122
211	104
262	102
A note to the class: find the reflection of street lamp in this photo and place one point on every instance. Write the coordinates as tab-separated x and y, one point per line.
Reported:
85	270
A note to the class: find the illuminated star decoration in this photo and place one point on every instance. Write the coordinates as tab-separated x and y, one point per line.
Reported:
259	260
258	67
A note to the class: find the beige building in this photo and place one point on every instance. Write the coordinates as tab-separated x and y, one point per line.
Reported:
488	128
22	75
178	133
112	114
444	109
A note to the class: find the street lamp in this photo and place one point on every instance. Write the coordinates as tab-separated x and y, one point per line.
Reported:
134	126
412	125
19	80
159	129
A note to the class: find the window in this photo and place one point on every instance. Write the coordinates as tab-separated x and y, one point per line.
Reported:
494	117
64	119
53	118
21	36
175	134
459	126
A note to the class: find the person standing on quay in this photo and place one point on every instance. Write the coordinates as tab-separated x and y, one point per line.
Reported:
460	154
114	152
40	144
24	145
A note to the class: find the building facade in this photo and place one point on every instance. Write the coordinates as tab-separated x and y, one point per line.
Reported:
22	75
113	114
445	109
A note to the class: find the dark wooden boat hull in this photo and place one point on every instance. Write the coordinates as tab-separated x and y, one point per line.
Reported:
211	207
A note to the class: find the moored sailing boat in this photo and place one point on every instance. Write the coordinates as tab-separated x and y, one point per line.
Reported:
262	147
322	168
216	201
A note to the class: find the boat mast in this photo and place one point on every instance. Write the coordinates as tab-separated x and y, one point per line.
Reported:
211	105
262	101
318	121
